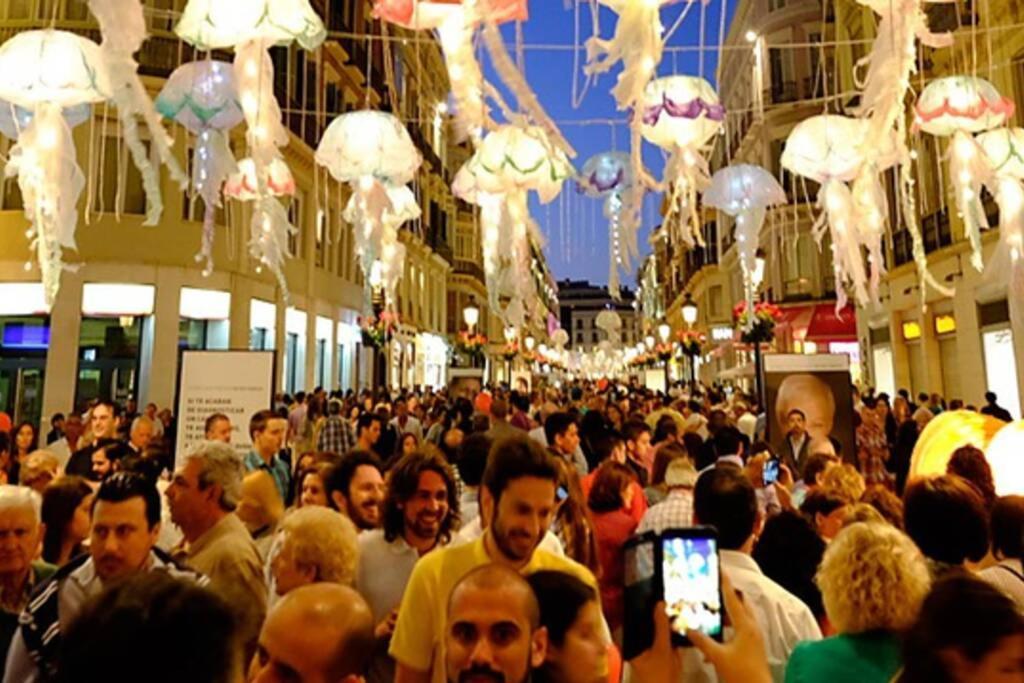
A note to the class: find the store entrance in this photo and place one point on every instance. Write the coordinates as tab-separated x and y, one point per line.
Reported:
108	362
23	346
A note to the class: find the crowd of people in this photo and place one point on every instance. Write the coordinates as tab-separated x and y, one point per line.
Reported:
426	537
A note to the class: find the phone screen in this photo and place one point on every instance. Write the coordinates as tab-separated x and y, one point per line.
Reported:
692	583
641	595
771	472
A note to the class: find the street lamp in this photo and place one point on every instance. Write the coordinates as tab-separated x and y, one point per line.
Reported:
664	331
510	333
381	354
471	314
649	340
530	342
757	278
689	310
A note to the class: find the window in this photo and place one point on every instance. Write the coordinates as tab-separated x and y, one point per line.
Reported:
296	218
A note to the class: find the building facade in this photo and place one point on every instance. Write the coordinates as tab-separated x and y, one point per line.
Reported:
137	295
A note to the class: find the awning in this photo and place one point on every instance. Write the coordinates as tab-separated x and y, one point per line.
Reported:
797	319
826	327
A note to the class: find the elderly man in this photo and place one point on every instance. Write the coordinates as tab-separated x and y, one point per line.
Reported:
125	526
494	630
142	433
314	545
316	634
20	535
203	496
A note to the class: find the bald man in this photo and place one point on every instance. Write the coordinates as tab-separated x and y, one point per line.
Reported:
320	633
494	630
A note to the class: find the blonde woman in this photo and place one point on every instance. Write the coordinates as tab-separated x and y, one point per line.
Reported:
873	580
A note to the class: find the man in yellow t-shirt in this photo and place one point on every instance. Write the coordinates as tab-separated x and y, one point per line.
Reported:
518	496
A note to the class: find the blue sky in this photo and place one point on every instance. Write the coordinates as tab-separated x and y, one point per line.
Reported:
575	227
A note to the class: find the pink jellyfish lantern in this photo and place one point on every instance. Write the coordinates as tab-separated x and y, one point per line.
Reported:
202	97
745	192
681	114
958	107
610	175
252	28
455	22
830	150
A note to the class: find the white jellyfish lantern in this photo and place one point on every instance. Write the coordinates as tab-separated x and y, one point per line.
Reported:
1004	152
610	323
47	72
373	153
252	28
609	175
681	114
745	192
958	107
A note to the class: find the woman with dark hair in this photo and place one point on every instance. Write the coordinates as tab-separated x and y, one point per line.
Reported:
609	501
969	463
657	491
573	525
789	551
570	612
947	519
967	632
24	440
65	512
613	414
1007	525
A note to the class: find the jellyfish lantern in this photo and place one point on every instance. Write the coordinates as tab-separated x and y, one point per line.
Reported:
829	149
958	107
745	192
1004	152
47	72
681	114
123	28
14	119
610	175
373	153
203	98
509	163
455	22
252	28
610	323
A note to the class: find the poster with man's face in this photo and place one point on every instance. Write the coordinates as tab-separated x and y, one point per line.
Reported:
808	399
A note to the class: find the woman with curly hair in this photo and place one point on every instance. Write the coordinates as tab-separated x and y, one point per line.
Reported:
873	580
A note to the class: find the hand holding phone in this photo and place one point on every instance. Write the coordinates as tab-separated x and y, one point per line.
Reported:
771	472
691	582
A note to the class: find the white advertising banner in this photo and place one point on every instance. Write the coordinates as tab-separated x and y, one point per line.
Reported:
235	383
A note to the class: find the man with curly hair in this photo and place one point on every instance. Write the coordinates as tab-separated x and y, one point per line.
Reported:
420	511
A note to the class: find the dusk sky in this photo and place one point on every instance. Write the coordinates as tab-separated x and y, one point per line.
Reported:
574	225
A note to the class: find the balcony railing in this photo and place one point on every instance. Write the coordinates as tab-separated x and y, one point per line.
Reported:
466	267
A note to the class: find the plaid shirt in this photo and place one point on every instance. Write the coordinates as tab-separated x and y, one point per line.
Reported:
675	512
337	436
873	454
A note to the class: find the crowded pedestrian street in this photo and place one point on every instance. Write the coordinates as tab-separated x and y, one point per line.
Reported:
511	341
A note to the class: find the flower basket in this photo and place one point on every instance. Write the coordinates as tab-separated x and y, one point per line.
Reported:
663	352
761	328
510	351
376	331
691	343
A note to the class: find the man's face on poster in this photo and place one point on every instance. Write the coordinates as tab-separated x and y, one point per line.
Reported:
797	424
811	396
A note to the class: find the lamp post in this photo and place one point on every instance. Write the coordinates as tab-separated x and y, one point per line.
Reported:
510	336
664	330
756	278
689	310
471	316
380	355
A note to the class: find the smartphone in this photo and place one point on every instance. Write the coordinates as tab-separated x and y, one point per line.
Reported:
692	582
561	493
771	472
641	594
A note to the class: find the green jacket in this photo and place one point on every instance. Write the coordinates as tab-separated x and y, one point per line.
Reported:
872	657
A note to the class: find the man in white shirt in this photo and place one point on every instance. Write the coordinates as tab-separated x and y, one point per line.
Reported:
70	442
418	516
404	423
725	499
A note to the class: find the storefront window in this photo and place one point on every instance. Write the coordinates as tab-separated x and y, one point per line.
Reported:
1001	368
108	362
23	345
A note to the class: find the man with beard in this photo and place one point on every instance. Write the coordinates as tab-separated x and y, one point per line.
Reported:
493	633
518	497
420	510
125	526
355	487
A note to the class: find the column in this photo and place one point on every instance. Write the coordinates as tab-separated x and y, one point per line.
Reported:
969	351
280	335
900	360
932	354
166	317
241	299
61	379
309	370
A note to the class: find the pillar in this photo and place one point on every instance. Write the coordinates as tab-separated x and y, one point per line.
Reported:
61	379
241	300
932	354
969	353
166	317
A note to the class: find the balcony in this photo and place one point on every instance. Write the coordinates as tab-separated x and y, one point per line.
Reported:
467	267
935	231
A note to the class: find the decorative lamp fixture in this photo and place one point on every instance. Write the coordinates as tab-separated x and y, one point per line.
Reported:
510	334
610	323
47	72
610	175
745	192
373	153
664	331
530	342
471	314
649	341
757	276
252	28
689	310
681	114
203	97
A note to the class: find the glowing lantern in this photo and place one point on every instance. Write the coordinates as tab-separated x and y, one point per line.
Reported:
745	192
243	184
559	339
252	28
47	72
947	432
373	153
830	150
1004	457
610	323
1003	148
203	97
123	28
455	22
958	107
681	114
510	162
610	175
13	119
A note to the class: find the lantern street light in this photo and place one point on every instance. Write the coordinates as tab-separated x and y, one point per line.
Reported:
530	342
689	310
664	330
510	336
510	333
757	277
471	314
649	340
